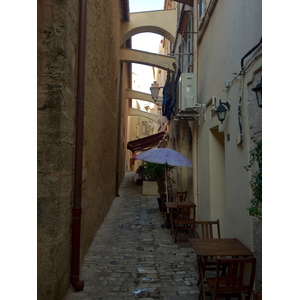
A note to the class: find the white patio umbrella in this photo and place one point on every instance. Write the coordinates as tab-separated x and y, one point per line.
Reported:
165	156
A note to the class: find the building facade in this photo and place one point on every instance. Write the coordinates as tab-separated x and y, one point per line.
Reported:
82	154
220	44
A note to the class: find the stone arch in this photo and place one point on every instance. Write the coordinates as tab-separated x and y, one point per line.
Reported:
140	113
152	29
162	22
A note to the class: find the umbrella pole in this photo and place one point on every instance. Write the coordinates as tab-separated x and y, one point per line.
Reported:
166	179
167	195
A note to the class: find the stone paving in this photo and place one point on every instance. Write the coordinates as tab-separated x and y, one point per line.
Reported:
132	257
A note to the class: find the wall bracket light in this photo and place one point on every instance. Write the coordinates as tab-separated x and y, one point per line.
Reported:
258	93
222	110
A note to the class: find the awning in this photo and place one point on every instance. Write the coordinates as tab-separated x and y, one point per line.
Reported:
146	143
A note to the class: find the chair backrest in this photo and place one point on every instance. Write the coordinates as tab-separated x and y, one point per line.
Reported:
237	278
179	196
206	229
185	213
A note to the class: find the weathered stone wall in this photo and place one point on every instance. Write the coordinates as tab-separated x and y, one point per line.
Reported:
57	39
101	114
57	67
255	126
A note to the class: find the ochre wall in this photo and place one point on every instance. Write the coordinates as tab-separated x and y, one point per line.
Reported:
101	114
56	101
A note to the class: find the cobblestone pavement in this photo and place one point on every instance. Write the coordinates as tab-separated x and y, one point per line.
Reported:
132	257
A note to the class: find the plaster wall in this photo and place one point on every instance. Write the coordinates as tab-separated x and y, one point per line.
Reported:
185	148
234	28
180	139
217	176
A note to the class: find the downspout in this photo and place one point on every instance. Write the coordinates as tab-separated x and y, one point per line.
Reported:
240	98
195	126
119	132
77	209
125	18
248	53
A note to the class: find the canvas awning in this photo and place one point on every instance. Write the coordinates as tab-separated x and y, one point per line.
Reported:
146	143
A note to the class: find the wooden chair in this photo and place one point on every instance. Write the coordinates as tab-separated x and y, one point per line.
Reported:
207	230
236	282
179	196
184	222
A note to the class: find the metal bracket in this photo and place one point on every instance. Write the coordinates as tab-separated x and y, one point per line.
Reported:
188	117
199	105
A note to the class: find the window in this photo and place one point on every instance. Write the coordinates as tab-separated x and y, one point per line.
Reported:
201	11
190	45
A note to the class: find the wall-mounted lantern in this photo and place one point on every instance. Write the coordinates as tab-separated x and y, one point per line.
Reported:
258	93
222	110
154	90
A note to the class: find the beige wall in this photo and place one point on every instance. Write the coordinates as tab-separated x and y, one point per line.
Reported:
219	55
221	184
57	67
222	189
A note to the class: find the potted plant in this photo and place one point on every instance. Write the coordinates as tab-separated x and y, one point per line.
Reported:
157	172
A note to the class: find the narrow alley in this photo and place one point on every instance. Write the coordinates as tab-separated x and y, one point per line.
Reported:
132	257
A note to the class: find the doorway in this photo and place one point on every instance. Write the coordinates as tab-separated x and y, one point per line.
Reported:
217	175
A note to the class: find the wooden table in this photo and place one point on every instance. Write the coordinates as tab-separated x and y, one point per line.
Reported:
173	205
205	248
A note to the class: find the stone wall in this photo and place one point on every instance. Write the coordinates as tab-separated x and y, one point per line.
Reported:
57	42
101	114
57	67
255	126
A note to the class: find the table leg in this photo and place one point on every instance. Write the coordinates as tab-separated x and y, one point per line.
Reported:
172	224
201	266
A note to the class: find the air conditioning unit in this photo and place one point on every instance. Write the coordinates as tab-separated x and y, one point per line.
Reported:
187	107
187	93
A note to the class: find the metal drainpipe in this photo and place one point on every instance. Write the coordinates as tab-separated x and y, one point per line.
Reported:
128	44
77	209
125	17
119	132
195	125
